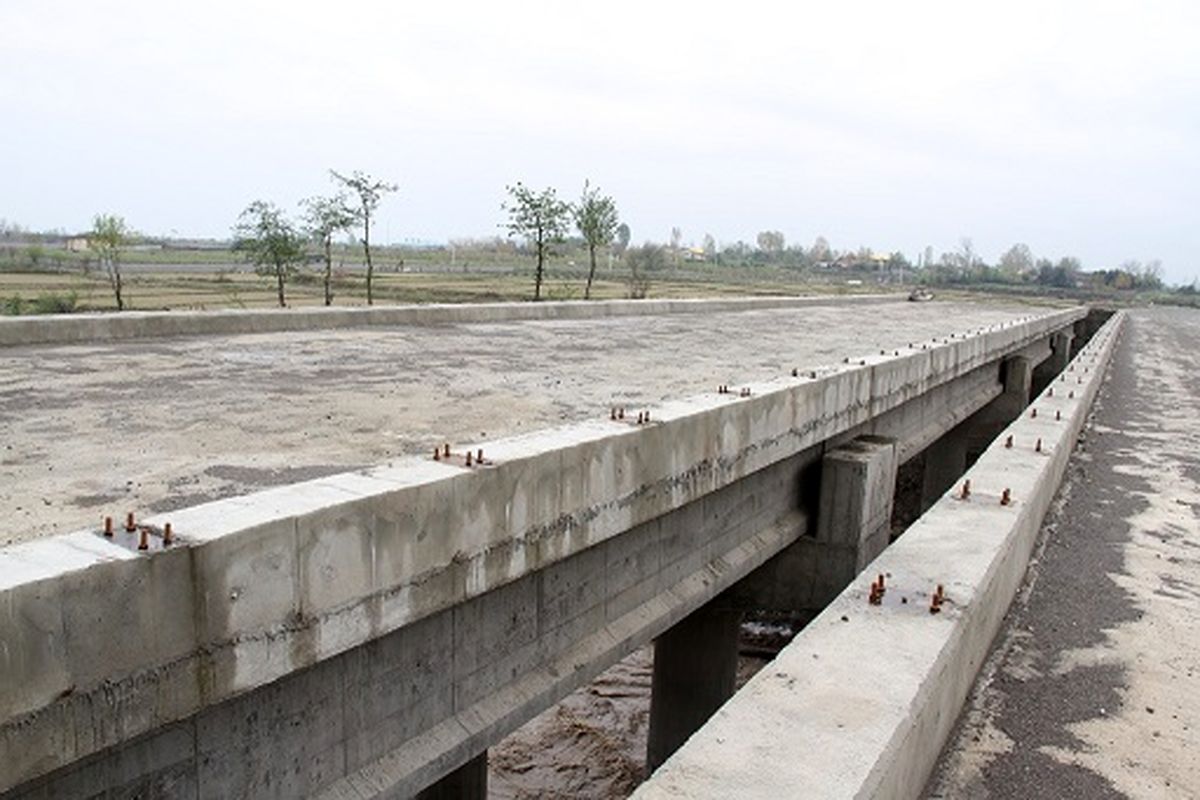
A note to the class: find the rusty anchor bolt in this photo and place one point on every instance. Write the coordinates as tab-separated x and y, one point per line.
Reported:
168	534
1058	416
647	417
965	494
813	374
862	363
1033	414
795	372
877	591
446	450
883	352
846	360
621	412
935	602
640	419
1038	447
1070	395
144	539
479	455
468	458
437	454
129	526
108	527
1008	442
1006	497
1051	392
745	391
612	413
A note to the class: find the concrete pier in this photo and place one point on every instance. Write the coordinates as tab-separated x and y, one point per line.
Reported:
945	461
468	782
695	668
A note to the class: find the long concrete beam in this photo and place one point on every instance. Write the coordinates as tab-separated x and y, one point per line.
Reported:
104	642
92	328
861	703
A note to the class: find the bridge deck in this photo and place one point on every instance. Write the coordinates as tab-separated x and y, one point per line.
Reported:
155	425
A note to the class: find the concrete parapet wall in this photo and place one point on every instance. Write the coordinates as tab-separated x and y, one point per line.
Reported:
92	328
860	704
104	643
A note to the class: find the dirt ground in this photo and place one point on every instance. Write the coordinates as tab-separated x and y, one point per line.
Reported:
155	425
592	745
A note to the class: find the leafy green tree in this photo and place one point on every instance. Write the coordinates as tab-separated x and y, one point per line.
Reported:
325	218
269	241
622	242
108	235
369	192
596	219
541	219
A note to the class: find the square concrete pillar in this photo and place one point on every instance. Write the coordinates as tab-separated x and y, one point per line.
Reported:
852	526
858	485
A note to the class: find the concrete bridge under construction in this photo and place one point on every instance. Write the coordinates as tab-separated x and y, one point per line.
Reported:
397	535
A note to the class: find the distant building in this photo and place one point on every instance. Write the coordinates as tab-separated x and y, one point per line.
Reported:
77	244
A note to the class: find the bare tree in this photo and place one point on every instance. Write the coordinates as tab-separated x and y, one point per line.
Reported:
643	262
1016	261
369	192
541	219
596	219
676	240
770	242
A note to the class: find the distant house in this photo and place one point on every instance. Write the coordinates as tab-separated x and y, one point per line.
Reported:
77	244
694	254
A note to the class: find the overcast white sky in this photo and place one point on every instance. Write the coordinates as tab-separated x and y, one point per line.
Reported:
1071	126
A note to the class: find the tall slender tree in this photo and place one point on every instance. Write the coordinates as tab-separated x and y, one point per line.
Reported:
596	219
542	220
270	242
106	239
369	192
325	218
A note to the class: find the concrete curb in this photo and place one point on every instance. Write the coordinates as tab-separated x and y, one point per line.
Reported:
93	328
104	642
862	702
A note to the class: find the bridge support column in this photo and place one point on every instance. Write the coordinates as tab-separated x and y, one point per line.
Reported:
852	527
695	667
1016	375
945	461
1060	355
468	782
